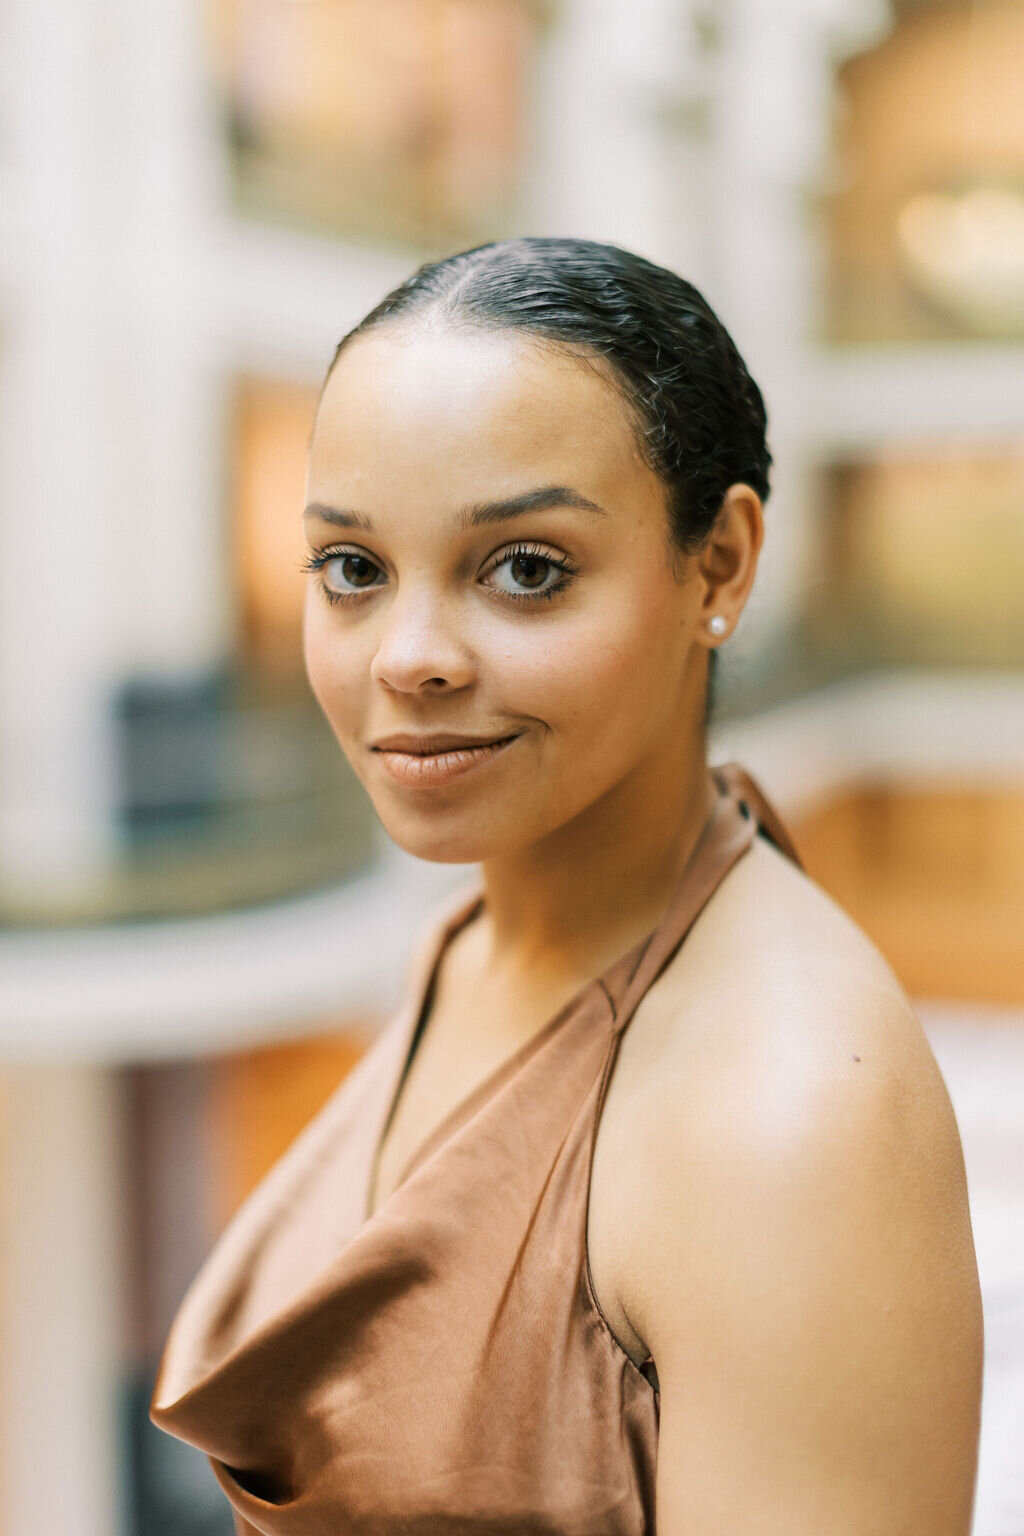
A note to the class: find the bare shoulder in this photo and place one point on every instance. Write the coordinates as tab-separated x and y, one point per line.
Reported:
776	1012
797	1250
777	991
780	1040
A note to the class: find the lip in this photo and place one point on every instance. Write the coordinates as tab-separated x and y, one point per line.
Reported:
437	741
426	761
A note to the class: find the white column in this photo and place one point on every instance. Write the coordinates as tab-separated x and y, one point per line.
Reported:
161	197
611	129
775	96
112	550
60	1303
55	784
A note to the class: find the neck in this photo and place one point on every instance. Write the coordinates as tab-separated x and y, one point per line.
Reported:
569	905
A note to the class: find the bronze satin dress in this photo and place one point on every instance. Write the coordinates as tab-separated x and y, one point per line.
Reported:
443	1366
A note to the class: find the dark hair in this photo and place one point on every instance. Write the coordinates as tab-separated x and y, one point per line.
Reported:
700	416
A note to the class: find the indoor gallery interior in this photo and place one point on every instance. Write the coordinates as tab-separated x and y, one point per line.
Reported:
201	924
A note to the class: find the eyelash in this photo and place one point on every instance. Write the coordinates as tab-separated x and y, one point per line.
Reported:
315	561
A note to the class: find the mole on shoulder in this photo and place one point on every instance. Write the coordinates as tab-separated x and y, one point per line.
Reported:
855	1058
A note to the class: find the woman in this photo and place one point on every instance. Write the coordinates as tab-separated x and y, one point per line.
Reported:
649	1210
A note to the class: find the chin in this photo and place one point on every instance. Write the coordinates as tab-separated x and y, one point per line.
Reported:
441	843
441	849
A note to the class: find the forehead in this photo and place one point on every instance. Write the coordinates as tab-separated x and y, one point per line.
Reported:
467	414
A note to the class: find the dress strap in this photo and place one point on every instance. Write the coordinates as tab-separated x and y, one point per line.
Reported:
736	781
739	814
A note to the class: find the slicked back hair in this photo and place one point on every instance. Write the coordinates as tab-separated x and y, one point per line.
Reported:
698	415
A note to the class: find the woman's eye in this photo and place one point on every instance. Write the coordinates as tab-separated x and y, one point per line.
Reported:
350	573
521	572
341	574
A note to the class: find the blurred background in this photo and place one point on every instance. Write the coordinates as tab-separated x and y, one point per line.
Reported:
201	926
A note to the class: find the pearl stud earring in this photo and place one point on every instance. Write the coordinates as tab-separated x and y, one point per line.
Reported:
718	625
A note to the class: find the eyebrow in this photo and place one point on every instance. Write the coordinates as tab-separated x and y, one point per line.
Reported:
543	499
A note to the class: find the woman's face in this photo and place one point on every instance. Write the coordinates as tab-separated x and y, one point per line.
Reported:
497	626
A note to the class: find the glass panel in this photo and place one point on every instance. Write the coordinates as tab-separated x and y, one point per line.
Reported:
924	563
925	229
400	118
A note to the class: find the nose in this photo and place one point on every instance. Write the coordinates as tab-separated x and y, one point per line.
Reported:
421	649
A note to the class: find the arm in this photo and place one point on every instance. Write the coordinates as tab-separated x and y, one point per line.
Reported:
810	1295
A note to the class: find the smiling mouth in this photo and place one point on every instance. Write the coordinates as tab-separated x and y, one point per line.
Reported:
427	761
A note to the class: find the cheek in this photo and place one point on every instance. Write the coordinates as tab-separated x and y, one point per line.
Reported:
338	674
612	661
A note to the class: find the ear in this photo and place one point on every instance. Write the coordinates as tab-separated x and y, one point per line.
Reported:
727	563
